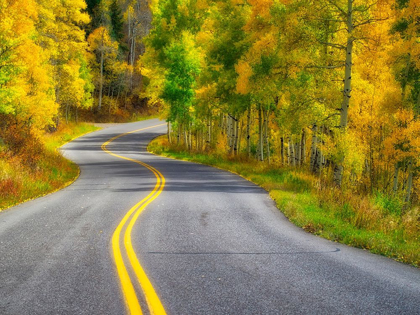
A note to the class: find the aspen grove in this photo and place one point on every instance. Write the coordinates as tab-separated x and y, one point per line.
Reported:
328	86
331	86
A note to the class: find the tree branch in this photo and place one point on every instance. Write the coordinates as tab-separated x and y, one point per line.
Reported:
331	20
330	116
337	7
356	9
325	67
369	21
338	46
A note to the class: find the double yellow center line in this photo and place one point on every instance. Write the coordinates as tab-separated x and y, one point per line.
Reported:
153	302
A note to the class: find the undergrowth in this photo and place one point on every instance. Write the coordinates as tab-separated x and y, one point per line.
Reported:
377	223
31	166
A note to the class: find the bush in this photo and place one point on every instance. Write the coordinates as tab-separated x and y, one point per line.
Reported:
20	140
388	204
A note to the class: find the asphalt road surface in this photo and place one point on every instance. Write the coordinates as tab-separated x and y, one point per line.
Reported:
210	243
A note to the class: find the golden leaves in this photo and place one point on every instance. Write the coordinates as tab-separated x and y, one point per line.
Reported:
261	7
25	91
244	71
183	9
43	41
172	24
202	4
403	142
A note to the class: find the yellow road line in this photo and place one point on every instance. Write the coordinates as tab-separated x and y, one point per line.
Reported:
155	306
133	305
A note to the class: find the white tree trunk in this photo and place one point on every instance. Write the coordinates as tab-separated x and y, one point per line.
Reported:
240	135
169	132
248	136
267	141
260	134
208	130
396	173
409	180
338	171
101	80
303	147
314	148
185	137
235	144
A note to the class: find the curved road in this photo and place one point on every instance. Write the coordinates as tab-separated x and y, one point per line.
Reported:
210	243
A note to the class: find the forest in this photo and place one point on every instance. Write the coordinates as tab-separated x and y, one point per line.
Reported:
63	62
329	88
82	59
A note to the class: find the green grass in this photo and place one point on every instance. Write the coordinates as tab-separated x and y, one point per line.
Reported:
67	133
373	223
137	117
389	204
49	172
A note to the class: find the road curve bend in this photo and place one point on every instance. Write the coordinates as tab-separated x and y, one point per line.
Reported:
208	242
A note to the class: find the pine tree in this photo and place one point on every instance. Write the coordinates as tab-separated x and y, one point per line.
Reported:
117	22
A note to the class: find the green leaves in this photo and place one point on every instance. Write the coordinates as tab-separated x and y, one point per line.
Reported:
117	23
180	80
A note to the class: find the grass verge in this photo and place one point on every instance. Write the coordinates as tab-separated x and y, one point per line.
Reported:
137	117
367	222
47	171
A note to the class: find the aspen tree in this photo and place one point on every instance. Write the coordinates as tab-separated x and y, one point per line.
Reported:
282	150
267	140
348	23
62	36
17	26
260	134
338	170
407	53
101	43
314	149
280	68
248	135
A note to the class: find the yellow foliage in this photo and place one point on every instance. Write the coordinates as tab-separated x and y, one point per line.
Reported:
203	37
183	9
149	68
261	7
404	139
172	24
202	4
286	56
100	40
206	92
244	71
28	91
262	46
